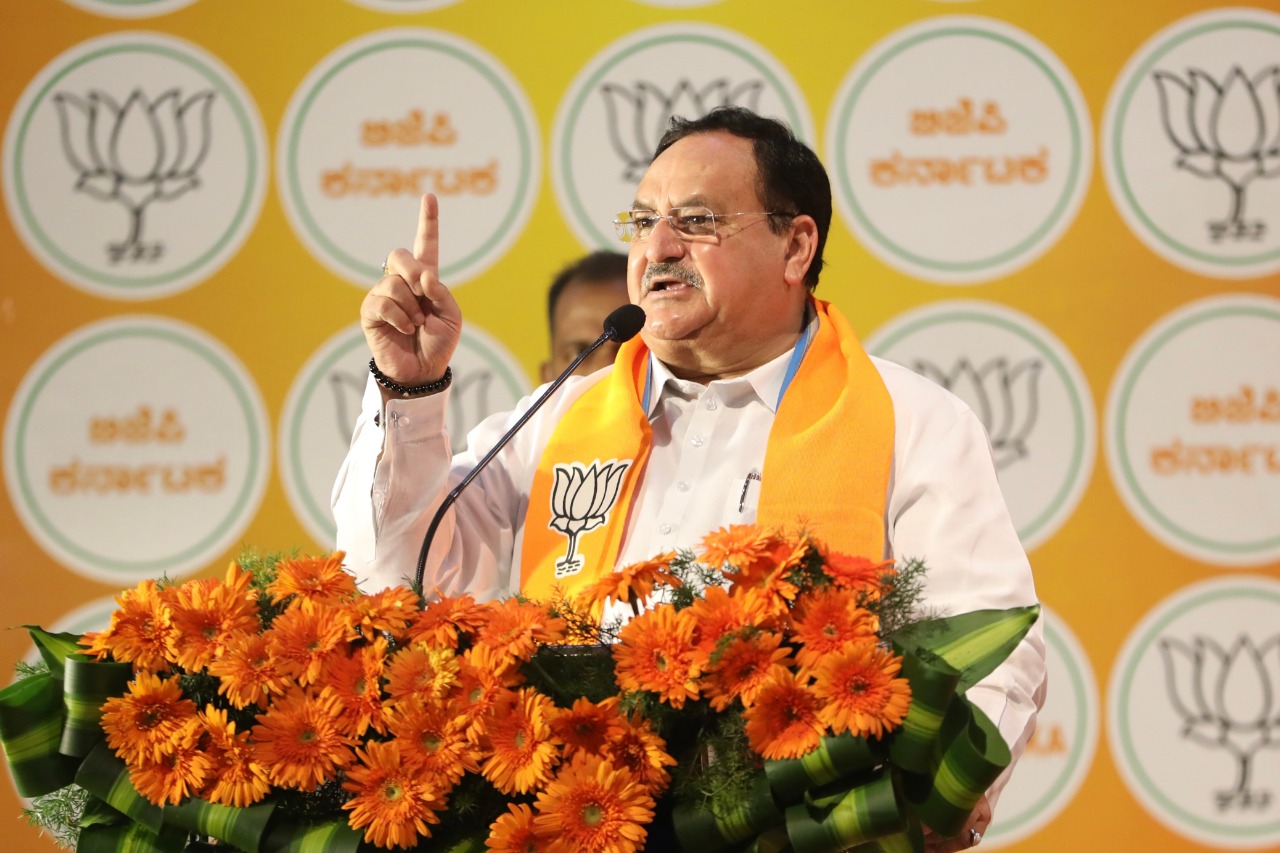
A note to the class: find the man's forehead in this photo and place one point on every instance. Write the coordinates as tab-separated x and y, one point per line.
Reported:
700	170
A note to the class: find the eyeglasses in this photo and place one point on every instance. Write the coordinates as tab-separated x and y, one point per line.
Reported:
691	223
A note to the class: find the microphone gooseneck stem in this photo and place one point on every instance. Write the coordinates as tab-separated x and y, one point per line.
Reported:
615	328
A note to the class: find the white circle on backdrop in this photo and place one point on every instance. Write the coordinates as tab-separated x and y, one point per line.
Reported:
1060	754
1026	388
609	123
1193	430
135	447
395	114
1193	704
1190	143
130	8
959	148
325	398
134	165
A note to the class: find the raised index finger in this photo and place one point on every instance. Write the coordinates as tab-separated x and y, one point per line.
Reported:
426	245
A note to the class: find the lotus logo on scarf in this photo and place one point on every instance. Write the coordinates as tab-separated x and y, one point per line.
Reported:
135	153
638	116
1229	699
1227	131
581	500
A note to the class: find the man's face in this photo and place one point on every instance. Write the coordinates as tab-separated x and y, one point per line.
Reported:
704	298
578	320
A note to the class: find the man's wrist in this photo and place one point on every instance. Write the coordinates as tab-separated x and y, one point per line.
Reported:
410	390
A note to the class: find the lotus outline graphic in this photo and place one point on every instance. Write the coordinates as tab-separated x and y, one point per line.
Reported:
1228	699
581	499
1006	398
1227	131
135	153
638	115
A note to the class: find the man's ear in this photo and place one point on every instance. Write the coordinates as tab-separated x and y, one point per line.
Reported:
545	371
801	248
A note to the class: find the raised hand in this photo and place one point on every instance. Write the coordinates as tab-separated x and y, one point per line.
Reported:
410	320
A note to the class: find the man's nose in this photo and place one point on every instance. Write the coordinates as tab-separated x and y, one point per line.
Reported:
664	243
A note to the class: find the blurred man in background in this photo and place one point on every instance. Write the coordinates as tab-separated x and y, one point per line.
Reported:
580	297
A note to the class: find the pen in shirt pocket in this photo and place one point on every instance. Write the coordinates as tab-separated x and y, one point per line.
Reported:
753	476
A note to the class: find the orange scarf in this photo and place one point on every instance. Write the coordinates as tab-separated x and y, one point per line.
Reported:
827	462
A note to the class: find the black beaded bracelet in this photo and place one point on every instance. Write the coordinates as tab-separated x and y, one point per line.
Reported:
411	390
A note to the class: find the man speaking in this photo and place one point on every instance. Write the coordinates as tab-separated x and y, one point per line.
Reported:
743	400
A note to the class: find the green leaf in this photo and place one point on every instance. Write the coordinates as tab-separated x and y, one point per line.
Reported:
31	716
105	775
55	648
974	643
243	828
87	686
131	838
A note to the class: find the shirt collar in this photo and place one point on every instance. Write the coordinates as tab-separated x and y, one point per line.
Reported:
766	381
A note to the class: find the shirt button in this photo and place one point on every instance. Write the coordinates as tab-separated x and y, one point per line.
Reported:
682	486
664	528
696	441
712	405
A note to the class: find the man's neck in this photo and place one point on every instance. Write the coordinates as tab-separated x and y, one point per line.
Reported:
686	360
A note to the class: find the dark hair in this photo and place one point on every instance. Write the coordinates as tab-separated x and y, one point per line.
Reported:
790	177
600	266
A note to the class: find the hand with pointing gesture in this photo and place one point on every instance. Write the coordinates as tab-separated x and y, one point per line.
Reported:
410	320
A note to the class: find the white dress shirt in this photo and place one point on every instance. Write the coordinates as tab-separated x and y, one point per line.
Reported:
944	504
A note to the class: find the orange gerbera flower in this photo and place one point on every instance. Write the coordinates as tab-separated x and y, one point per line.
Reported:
783	721
246	672
633	584
481	681
514	629
825	621
735	545
860	692
867	578
741	665
717	614
587	725
356	679
593	807
655	653
238	779
141	631
146	723
303	638
387	612
769	574
636	746
523	749
441	622
422	672
208	613
513	831
313	579
390	799
434	740
180	772
298	739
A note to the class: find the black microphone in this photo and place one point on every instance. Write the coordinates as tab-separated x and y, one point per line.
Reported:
621	325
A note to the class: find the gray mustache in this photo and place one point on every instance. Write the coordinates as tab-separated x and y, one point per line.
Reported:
661	269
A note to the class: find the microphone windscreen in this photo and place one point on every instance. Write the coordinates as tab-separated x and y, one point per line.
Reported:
624	322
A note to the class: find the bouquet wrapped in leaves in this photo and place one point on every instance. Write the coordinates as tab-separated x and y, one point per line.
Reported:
766	694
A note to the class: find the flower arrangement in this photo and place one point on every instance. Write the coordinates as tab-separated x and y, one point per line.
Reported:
765	690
